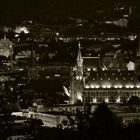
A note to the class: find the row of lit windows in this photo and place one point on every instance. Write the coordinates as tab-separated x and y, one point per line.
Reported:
106	99
117	73
101	92
110	86
113	78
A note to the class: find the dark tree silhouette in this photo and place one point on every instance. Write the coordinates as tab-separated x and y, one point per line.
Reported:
134	100
105	124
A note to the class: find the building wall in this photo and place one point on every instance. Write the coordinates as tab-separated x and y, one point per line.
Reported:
109	95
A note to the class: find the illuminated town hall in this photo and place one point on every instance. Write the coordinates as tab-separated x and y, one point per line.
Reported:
93	81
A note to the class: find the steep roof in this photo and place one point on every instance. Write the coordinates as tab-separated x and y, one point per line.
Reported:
112	78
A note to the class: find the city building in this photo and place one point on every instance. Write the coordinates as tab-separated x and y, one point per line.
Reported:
93	82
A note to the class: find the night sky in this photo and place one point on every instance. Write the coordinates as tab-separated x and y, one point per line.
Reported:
13	10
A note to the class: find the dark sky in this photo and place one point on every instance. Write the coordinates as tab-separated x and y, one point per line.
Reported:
12	10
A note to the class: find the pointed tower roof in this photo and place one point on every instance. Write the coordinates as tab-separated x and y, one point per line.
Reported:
79	56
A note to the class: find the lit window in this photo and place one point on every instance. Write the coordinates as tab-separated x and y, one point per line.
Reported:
94	100
103	69
97	86
88	69
127	86
131	86
109	86
87	86
120	86
138	86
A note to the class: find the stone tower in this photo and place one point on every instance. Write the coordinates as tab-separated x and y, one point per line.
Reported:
77	79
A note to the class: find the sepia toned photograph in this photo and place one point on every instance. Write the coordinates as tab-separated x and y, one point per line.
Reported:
70	69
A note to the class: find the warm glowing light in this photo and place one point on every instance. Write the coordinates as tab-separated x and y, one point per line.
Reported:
109	86
120	86
47	77
57	34
57	75
22	29
131	66
97	86
79	96
94	69
16	35
106	100
103	69
66	91
118	100
88	69
79	77
92	86
127	86
104	86
87	86
94	100
131	86
138	86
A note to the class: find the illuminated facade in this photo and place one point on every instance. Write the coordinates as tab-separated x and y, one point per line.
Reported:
92	82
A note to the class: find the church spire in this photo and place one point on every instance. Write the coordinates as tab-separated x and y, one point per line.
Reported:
79	57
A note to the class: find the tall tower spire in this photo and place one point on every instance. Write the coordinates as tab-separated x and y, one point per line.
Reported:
79	57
